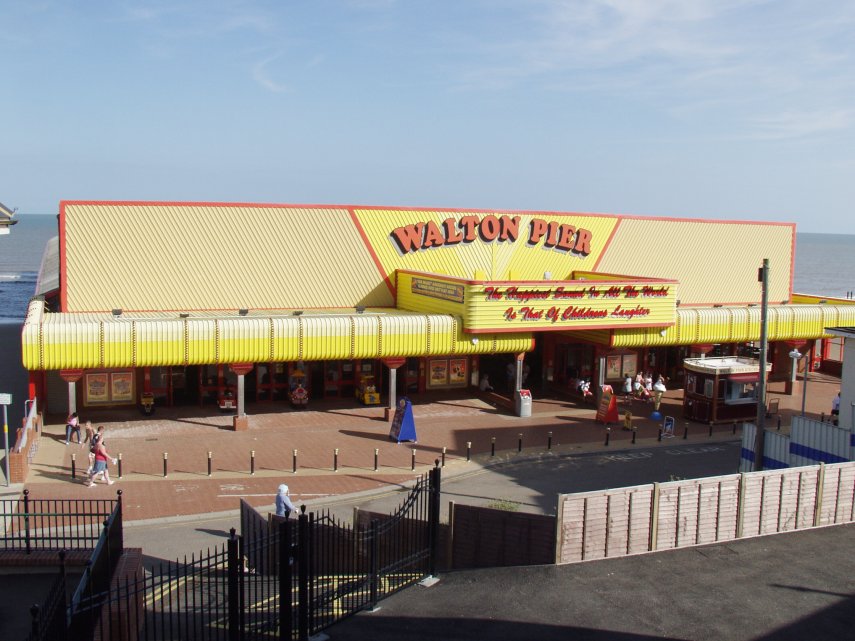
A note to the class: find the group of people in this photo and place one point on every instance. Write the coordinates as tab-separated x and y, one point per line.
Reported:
98	454
643	388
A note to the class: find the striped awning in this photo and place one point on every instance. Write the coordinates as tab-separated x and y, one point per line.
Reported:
53	341
709	325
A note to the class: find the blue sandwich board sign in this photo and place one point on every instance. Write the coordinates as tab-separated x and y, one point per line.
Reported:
403	424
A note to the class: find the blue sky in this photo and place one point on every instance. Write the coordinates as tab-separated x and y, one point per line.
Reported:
709	108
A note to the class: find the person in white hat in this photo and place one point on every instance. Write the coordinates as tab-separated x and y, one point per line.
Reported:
284	507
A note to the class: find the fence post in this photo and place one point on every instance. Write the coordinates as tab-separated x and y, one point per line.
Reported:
303	575
27	521
34	622
435	480
233	588
374	562
654	518
740	505
286	623
820	482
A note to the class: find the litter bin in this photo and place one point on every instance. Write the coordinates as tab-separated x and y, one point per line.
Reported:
523	403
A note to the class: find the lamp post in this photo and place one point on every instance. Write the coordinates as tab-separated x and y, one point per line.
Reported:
796	355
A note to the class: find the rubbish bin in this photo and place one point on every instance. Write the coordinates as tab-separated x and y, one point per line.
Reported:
523	403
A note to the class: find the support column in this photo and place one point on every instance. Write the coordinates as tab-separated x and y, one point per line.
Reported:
71	376
519	372
240	421
393	364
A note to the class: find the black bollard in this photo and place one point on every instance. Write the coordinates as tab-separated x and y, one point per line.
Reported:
165	470
779	425
686	432
413	463
335	460
74	466
376	458
734	425
443	457
634	432
549	441
294	466
710	429
252	462
493	446
660	434
519	444
210	462
608	434
822	417
468	450
119	457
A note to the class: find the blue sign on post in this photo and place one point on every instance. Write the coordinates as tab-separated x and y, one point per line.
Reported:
403	424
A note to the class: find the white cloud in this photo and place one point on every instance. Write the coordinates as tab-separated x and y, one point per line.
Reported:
261	75
802	124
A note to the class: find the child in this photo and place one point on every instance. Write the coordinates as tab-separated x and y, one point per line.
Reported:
627	421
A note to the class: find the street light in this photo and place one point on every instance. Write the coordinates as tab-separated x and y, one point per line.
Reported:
796	355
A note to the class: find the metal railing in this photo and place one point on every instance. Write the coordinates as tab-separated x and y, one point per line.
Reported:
52	524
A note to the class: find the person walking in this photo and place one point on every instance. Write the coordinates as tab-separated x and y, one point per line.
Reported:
835	408
90	434
72	427
627	387
102	456
284	506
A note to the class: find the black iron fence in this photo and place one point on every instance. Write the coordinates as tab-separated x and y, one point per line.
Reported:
280	579
52	524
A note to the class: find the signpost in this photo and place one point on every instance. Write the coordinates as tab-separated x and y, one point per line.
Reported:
5	401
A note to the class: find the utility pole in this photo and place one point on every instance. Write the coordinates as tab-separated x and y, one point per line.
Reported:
759	440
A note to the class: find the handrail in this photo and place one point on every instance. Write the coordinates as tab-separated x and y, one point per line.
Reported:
23	434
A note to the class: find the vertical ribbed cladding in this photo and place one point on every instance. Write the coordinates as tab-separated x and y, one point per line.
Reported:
186	341
427	336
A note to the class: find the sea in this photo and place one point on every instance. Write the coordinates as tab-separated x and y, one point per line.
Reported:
825	264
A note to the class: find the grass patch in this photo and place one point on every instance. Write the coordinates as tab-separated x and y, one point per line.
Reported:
505	505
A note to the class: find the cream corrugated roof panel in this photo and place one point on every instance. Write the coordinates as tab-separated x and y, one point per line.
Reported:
152	256
709	272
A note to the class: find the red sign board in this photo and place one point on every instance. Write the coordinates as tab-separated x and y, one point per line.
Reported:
71	375
241	368
394	363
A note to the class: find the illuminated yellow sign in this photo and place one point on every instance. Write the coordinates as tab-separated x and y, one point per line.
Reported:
543	305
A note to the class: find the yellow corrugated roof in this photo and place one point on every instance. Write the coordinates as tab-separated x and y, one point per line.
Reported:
194	257
715	262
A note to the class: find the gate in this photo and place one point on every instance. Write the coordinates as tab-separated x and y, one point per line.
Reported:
280	579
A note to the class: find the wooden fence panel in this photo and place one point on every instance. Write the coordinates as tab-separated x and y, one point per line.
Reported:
846	495
639	520
807	496
728	508
617	522
789	500
707	520
752	503
771	503
596	528
669	495
687	509
572	532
